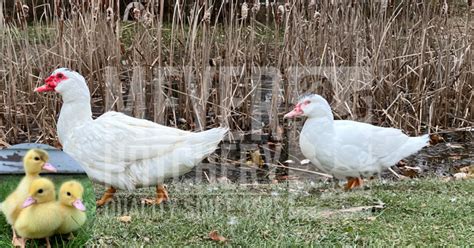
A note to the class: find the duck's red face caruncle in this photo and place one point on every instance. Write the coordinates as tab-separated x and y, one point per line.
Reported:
51	82
298	110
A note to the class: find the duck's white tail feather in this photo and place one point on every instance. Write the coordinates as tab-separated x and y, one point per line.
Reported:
208	139
413	145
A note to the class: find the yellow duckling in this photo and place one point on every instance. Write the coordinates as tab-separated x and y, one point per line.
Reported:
71	206
40	216
34	161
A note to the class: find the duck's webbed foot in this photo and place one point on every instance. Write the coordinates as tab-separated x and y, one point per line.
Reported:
16	241
19	242
48	244
353	183
161	196
107	197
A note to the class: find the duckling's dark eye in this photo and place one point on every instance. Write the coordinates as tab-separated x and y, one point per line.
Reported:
37	158
40	191
60	75
68	193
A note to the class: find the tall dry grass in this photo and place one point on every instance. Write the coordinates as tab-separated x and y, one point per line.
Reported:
215	64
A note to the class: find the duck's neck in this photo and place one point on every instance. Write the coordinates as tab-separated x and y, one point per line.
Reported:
74	113
318	128
319	123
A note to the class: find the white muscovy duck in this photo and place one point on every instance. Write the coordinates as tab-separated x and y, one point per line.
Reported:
121	151
349	149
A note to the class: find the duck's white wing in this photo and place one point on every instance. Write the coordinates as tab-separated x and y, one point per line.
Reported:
115	141
364	142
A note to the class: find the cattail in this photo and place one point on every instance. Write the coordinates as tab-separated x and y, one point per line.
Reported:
136	13
280	13
244	11
148	18
110	14
256	7
25	10
207	16
444	9
95	12
281	10
267	3
316	15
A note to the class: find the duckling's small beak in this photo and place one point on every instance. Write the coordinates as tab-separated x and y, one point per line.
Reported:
79	205
28	202
49	167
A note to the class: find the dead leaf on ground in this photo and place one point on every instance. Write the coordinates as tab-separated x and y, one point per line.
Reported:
255	159
213	235
410	171
466	172
468	169
435	139
460	176
125	219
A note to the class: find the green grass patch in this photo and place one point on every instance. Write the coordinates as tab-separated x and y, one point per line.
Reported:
416	213
82	236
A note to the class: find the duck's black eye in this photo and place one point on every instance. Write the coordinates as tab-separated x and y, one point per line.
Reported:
37	158
60	75
68	193
40	191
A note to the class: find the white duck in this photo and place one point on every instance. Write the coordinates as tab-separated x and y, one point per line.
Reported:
349	149
121	151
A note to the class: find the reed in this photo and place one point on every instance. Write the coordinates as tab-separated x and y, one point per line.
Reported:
405	65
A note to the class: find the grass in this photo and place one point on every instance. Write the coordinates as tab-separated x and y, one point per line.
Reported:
416	213
82	236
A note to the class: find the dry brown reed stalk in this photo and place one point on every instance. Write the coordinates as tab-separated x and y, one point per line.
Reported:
415	64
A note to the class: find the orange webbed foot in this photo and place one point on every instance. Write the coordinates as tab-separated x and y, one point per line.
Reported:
161	196
354	183
107	197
